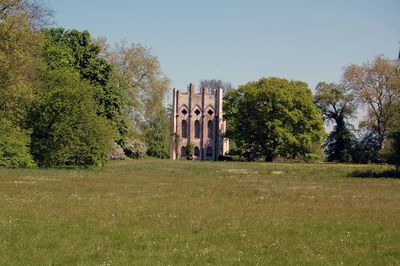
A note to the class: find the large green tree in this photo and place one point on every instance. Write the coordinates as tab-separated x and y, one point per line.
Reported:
338	106
66	130
274	117
75	50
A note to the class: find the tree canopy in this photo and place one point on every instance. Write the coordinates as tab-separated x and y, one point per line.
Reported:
65	127
76	51
273	117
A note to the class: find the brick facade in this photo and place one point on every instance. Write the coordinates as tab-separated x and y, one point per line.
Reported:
197	118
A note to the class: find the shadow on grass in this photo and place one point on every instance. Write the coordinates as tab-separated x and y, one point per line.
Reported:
375	174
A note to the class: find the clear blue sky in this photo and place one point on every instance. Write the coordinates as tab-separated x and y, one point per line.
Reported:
240	41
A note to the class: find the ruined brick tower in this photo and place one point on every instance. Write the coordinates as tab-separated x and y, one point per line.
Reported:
197	118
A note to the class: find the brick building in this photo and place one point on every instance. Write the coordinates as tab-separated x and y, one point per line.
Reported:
197	118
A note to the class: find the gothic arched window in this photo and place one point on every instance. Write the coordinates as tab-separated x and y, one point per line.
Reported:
184	129
197	129
196	151
183	152
210	129
209	152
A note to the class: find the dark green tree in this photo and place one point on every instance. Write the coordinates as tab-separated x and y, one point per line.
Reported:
391	151
273	117
337	105
73	49
65	127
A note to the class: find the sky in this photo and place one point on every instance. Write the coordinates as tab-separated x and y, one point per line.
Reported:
239	41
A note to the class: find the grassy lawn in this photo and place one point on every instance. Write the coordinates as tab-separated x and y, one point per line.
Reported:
178	212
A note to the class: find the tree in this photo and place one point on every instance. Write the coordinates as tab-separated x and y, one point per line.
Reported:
157	135
273	117
37	14
391	151
147	87
19	49
375	85
19	53
14	150
65	127
75	50
337	105
213	84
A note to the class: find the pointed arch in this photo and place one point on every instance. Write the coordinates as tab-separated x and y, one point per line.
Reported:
184	129
197	129
210	106
210	129
183	151
196	151
209	152
196	107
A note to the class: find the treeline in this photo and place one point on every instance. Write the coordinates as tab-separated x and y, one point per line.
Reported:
279	119
68	99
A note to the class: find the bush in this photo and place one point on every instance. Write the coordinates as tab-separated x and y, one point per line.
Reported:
134	149
311	157
117	153
14	146
190	151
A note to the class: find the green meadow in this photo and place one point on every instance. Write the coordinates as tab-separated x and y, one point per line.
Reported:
162	212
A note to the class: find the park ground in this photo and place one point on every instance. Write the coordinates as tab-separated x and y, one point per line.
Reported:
161	212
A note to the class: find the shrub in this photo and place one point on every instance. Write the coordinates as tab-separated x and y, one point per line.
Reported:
134	149
190	151
14	146
117	153
392	150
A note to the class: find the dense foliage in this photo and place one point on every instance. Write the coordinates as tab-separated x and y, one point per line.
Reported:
14	142
65	127
74	50
68	100
273	117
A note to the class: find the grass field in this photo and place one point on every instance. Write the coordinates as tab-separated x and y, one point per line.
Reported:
160	212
